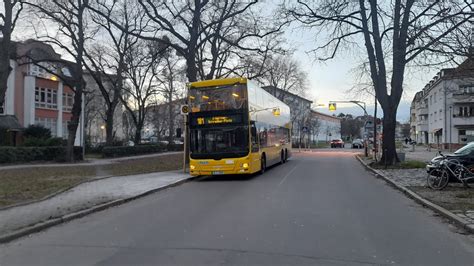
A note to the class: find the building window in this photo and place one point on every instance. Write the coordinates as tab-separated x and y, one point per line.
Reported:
435	97
68	100
46	98
2	109
469	89
49	123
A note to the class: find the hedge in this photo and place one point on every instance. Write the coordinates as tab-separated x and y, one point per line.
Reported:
114	151
29	154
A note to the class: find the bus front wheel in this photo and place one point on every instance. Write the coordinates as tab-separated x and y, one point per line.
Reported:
263	164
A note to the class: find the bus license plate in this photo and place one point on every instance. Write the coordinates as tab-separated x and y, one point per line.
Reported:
217	172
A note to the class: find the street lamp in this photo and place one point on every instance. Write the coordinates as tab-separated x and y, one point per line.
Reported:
362	105
102	127
450	128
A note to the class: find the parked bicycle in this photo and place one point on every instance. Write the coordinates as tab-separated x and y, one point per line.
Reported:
441	171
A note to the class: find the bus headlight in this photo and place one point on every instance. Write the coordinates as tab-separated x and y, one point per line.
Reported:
245	165
192	167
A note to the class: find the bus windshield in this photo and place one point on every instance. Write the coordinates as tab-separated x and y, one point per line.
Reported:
223	142
229	97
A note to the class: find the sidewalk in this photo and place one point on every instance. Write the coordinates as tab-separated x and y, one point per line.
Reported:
84	196
90	162
456	199
421	153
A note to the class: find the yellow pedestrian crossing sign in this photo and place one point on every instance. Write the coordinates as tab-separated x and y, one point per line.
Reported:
332	107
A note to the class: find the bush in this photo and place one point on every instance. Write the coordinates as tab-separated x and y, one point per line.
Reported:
37	131
40	142
29	154
112	151
5	139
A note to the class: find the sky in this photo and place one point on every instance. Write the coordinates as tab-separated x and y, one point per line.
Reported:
332	80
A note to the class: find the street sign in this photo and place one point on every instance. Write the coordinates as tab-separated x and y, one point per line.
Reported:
304	129
332	107
184	109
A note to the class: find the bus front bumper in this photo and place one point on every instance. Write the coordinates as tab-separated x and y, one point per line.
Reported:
220	167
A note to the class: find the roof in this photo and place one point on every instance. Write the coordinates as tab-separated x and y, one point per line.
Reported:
9	122
271	87
466	68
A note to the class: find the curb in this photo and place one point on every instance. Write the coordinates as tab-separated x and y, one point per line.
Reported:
426	203
79	214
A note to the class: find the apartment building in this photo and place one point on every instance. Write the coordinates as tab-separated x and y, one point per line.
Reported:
36	96
442	114
326	127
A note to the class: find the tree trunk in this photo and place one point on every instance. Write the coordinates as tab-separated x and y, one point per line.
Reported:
5	49
109	125
191	69
138	136
389	152
74	123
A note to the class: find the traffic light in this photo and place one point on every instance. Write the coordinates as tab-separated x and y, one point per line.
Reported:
332	107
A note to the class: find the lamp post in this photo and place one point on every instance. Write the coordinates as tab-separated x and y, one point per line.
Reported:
102	127
450	128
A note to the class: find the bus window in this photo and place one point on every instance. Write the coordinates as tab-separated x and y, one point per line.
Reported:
253	134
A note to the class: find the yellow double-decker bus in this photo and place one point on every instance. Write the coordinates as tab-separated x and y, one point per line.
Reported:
236	127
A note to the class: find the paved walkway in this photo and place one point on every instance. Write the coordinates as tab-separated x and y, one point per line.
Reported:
417	178
85	196
104	161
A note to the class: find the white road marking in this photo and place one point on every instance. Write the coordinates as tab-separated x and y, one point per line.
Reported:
287	175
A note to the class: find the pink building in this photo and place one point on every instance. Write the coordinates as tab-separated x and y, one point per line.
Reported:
35	96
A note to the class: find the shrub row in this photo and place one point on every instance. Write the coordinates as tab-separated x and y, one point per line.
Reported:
113	151
29	154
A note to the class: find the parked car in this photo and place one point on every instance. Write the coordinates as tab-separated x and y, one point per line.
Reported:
357	144
464	155
337	143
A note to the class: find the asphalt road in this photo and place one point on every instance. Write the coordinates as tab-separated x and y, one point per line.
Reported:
320	208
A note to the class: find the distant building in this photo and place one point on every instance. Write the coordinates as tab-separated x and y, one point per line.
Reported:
35	95
95	111
300	111
157	123
327	127
442	114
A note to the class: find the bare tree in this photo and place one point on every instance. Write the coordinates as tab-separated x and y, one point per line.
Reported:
171	85
105	59
395	35
187	26
285	73
8	19
142	60
64	25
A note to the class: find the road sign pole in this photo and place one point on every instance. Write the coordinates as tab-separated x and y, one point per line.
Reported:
185	143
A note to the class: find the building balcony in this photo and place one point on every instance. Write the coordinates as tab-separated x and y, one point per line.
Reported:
463	97
463	121
422	110
422	126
